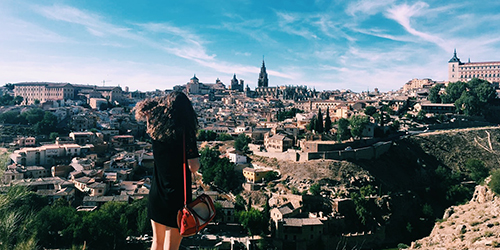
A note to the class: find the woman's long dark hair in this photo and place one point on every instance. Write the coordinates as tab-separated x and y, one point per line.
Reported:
168	117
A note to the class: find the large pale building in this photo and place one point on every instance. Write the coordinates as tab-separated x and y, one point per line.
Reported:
43	91
459	71
49	91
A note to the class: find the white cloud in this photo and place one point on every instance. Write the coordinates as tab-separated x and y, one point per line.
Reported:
382	34
293	24
403	13
367	7
247	54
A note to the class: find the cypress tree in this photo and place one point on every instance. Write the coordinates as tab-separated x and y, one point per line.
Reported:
319	122
328	121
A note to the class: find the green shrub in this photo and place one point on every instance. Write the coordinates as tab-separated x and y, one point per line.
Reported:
402	246
494	184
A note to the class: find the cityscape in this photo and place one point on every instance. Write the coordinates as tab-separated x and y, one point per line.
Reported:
78	146
326	125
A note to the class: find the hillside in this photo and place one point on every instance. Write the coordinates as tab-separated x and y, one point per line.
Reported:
422	174
406	166
475	225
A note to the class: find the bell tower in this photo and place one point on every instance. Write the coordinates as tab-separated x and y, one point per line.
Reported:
453	68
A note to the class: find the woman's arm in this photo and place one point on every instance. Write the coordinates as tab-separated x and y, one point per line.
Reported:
194	164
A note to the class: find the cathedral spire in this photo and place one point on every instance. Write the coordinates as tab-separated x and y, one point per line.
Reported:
263	80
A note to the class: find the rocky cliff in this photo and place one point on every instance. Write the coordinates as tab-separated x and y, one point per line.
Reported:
475	225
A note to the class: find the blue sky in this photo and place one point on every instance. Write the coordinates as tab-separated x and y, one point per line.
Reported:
326	45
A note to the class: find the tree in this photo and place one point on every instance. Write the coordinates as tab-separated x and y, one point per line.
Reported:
18	100
218	171
328	121
282	115
421	115
361	204
240	203
482	89
18	209
370	110
47	124
53	135
315	189
454	91
32	116
427	210
103	106
6	99
434	96
206	135
208	159
4	162
271	176
53	226
219	213
225	176
224	137
358	124
468	104
367	190
312	124
241	143
343	132
319	122
9	86
11	117
253	221
477	170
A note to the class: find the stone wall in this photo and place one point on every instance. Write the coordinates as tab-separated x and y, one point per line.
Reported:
365	153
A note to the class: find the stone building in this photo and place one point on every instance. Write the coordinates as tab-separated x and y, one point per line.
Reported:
298	233
237	85
253	175
277	143
48	91
43	91
459	71
416	84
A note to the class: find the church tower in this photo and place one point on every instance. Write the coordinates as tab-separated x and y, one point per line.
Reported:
453	68
263	81
234	83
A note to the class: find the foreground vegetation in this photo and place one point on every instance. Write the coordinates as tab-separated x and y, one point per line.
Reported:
27	221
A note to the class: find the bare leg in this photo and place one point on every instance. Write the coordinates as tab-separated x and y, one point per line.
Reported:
158	235
165	238
173	239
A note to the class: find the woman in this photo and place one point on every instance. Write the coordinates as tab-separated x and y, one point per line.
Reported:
169	120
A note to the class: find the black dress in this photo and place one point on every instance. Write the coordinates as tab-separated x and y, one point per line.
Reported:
166	196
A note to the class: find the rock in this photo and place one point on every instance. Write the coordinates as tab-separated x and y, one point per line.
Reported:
474	225
448	212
